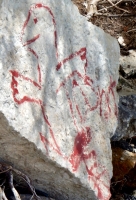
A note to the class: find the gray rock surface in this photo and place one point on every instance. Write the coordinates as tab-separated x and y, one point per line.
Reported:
127	118
58	82
127	79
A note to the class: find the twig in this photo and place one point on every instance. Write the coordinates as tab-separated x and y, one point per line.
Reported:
110	6
16	195
131	30
114	5
1	192
8	170
5	170
105	2
4	196
116	15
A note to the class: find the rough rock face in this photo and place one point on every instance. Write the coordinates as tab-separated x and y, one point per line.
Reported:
58	93
126	118
127	79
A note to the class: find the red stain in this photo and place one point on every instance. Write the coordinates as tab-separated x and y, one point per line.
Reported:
82	139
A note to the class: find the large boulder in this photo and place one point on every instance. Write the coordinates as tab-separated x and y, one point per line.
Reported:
58	99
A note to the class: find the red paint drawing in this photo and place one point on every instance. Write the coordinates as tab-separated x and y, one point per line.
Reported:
77	81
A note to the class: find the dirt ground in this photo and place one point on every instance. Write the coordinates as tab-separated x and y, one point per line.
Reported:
118	20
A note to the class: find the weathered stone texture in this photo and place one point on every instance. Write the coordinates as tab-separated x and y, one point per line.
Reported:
58	91
126	118
127	80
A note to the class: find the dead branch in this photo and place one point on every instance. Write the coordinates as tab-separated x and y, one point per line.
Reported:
116	15
16	195
105	8
114	5
2	194
8	171
132	30
105	2
27	180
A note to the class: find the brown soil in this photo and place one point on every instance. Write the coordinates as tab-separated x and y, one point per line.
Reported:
114	21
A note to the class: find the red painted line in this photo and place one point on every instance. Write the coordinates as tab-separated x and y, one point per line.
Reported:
46	143
17	75
77	53
39	73
33	52
32	40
